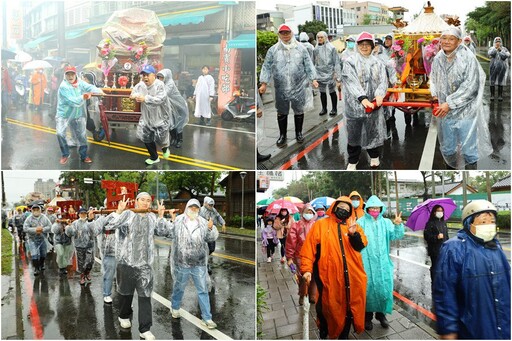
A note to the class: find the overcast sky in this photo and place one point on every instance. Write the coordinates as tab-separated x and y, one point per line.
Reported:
450	7
20	183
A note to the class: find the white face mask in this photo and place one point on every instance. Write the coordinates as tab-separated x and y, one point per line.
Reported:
36	213
308	216
485	232
439	215
192	215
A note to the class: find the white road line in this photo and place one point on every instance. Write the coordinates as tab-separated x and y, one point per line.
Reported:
186	315
225	129
429	150
411	261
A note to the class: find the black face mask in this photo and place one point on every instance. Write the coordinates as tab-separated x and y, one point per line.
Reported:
341	213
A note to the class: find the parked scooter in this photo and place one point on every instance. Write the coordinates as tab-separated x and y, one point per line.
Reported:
21	93
241	106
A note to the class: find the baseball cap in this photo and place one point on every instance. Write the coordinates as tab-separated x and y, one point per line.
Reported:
82	210
70	69
148	69
284	27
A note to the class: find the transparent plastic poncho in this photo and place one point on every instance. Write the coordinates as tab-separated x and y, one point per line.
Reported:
83	233
463	133
327	65
179	107
499	66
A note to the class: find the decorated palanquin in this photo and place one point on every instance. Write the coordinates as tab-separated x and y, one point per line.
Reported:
68	208
117	191
416	44
132	38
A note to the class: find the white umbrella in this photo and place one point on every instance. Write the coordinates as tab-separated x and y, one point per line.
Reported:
22	57
37	64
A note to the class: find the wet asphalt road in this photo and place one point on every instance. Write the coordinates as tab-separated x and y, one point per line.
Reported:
69	311
29	142
412	274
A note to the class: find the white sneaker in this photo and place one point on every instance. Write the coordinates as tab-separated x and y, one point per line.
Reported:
374	162
175	313
147	335
269	260
352	167
107	299
125	323
210	324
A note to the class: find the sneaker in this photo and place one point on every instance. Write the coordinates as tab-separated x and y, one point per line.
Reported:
107	299
283	260
175	313
167	153
352	167
150	162
64	160
269	260
374	162
209	324
147	335
125	323
87	160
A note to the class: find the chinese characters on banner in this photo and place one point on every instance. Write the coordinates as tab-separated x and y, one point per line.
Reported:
229	74
116	190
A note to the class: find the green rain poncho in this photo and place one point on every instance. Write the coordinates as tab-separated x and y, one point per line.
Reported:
377	263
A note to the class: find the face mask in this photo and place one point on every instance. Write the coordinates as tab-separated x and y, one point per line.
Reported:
439	215
485	232
36	213
83	219
308	216
341	213
351	44
374	214
192	215
355	203
320	213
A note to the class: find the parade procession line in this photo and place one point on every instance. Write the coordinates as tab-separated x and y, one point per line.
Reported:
132	149
217	334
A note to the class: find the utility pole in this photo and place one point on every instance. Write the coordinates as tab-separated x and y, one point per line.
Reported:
433	185
396	190
464	189
488	185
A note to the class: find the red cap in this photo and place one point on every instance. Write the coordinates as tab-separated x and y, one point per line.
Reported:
284	27
70	69
365	36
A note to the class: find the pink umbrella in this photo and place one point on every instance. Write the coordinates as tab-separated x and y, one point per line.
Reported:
276	206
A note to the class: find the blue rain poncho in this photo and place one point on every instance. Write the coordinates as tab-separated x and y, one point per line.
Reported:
155	118
460	83
472	289
498	68
291	69
364	77
37	242
304	40
327	65
179	107
377	263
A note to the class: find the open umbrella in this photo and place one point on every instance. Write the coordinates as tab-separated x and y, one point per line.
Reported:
6	54
324	201
22	57
294	200
276	206
37	64
421	213
265	202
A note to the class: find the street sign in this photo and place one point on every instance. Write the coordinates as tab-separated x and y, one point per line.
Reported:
272	175
88	181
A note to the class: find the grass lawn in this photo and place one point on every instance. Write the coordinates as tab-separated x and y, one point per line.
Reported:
237	230
6	252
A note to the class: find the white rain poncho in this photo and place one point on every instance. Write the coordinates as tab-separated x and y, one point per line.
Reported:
135	249
348	52
364	77
327	65
190	238
155	118
460	83
179	107
83	233
211	213
389	64
498	68
304	40
37	242
292	69
205	88
106	239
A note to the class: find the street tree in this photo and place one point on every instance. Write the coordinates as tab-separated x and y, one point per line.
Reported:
313	26
367	19
194	182
489	21
264	40
479	182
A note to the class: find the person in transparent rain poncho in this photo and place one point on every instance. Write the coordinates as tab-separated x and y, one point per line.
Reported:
457	82
179	107
498	68
304	40
63	247
155	118
189	258
364	80
469	44
328	70
72	97
350	44
36	226
134	256
209	212
93	109
291	68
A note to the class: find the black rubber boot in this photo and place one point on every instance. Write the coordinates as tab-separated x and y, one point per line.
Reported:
334	102
282	121
179	140
299	120
492	93
471	166
173	137
263	157
41	264
382	319
323	99
500	93
35	265
368	325
208	121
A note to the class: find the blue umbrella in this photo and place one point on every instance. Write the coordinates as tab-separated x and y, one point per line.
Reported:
324	201
421	213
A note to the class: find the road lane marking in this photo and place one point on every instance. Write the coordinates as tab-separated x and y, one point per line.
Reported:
217	334
410	261
132	149
422	310
312	146
429	150
220	255
225	129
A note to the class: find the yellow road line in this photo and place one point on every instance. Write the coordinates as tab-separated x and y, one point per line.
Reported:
132	149
420	236
220	255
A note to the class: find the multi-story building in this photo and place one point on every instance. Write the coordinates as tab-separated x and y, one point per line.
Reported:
377	13
269	21
47	188
298	15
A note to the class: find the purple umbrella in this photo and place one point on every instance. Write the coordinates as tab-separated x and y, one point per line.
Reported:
421	213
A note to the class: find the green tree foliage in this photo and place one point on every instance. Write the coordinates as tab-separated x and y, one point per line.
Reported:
264	40
480	183
314	27
367	19
195	182
490	21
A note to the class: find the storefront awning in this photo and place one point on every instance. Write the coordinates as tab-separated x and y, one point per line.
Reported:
81	31
243	41
211	39
188	17
33	44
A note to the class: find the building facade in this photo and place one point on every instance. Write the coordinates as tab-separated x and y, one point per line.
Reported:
376	13
46	188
